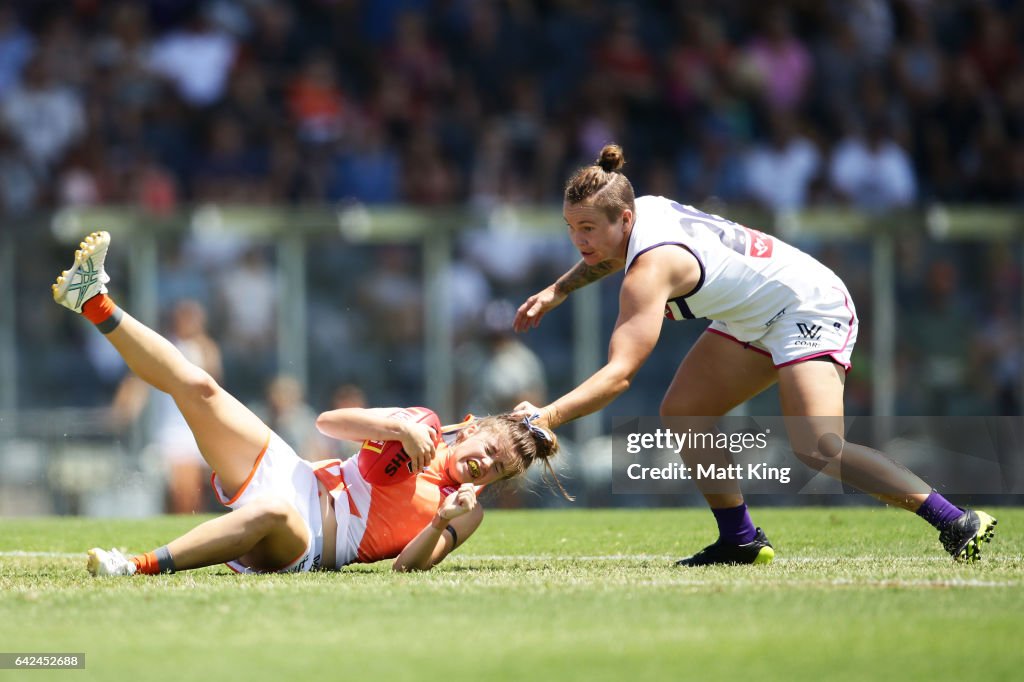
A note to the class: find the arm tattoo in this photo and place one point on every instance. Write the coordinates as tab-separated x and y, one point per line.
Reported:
583	274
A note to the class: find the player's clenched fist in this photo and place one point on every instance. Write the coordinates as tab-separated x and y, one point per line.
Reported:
460	502
420	443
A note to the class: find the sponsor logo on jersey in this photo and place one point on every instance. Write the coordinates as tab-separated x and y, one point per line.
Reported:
761	245
809	331
775	318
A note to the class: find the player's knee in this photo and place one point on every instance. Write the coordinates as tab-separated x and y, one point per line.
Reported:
827	448
199	385
830	445
269	512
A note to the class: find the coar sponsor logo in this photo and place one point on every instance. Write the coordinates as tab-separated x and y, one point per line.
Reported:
761	245
809	331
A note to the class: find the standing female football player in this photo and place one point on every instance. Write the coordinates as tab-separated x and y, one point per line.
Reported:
290	515
778	316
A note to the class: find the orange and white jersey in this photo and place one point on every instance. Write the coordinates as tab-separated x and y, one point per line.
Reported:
377	522
747	278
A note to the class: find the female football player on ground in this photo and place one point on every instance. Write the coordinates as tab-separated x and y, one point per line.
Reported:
290	515
778	316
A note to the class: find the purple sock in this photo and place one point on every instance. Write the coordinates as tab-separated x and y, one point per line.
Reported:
734	525
937	511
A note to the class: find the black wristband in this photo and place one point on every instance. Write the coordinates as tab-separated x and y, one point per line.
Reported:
455	536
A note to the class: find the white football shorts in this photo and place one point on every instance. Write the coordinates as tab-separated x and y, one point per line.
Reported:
280	472
823	327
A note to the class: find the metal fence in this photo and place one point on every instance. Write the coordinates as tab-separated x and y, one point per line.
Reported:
325	331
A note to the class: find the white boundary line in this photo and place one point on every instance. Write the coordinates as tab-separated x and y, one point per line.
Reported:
49	555
690	582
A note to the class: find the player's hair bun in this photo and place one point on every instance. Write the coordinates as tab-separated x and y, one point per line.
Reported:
603	184
612	159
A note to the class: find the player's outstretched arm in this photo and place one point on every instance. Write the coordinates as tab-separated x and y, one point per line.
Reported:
378	423
457	518
530	313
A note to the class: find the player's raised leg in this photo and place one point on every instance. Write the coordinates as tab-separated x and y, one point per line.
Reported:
229	435
715	376
811	394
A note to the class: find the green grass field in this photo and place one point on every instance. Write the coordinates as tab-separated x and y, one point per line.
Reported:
854	593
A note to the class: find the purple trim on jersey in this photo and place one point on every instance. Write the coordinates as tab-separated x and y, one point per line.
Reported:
680	301
745	344
703	270
832	353
684	309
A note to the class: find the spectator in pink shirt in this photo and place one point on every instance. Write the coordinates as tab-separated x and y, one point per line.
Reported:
780	63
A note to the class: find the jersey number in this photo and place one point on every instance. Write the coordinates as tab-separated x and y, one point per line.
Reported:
740	239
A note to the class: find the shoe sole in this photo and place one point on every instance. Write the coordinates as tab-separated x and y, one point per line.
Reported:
764	556
86	250
972	550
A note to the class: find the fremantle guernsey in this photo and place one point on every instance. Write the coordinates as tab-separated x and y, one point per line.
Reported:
747	278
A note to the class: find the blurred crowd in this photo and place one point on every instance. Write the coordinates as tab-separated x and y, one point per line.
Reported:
160	104
879	103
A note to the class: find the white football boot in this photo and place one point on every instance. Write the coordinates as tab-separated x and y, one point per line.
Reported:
103	563
86	277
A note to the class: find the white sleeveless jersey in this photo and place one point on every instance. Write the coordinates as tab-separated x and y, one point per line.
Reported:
747	279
